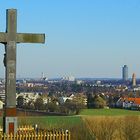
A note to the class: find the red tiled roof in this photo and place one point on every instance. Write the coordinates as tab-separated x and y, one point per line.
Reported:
135	100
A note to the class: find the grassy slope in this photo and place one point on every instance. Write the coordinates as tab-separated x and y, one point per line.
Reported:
51	121
109	112
75	124
64	121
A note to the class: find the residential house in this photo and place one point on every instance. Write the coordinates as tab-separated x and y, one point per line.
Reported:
63	99
129	103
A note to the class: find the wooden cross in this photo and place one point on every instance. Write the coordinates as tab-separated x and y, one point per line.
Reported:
10	38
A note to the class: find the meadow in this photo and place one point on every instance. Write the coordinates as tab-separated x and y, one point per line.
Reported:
74	124
109	112
107	124
50	122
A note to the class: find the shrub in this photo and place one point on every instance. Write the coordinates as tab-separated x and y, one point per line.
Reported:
129	128
114	128
102	128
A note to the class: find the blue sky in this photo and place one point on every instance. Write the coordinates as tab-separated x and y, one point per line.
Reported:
84	38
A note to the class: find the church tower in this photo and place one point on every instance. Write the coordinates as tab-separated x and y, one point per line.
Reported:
134	79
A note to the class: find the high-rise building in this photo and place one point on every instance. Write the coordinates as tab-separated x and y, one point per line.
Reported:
69	78
134	79
125	73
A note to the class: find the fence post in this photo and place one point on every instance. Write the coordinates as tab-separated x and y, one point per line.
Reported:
63	135
4	136
1	136
17	136
14	137
20	136
32	136
44	136
53	135
11	136
48	135
41	136
56	135
60	135
38	136
69	134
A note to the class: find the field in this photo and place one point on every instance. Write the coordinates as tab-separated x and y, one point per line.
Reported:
109	112
50	122
90	123
73	123
62	121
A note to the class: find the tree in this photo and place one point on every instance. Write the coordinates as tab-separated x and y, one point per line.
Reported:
72	107
39	105
98	102
95	101
20	101
52	107
90	101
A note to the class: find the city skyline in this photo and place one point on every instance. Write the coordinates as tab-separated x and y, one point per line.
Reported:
84	38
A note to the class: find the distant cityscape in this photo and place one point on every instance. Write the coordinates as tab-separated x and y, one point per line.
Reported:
51	94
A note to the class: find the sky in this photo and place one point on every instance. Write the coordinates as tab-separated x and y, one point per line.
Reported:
84	38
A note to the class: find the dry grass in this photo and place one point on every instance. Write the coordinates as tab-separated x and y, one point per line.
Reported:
114	128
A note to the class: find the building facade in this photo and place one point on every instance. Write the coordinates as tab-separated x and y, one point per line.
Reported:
134	80
125	73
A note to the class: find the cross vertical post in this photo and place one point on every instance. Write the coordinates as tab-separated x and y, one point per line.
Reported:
10	39
10	119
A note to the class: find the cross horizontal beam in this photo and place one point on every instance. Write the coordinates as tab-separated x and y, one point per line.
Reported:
30	38
24	38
